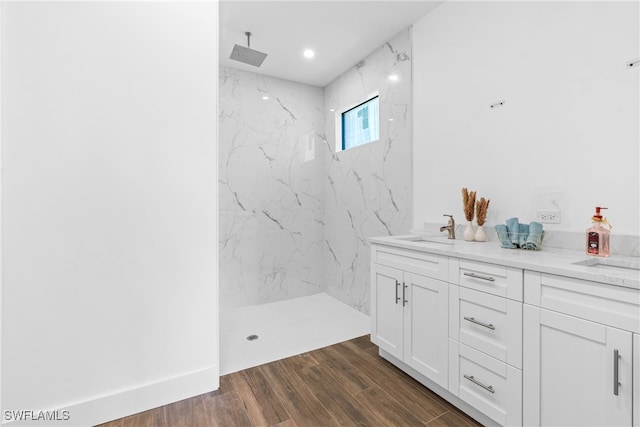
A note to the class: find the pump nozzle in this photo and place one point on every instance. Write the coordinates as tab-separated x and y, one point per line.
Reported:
599	218
597	215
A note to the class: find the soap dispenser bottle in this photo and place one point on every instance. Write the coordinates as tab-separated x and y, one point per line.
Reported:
598	235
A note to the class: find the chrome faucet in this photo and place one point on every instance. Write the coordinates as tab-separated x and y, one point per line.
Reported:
450	227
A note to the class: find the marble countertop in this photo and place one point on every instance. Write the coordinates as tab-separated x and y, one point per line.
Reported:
548	260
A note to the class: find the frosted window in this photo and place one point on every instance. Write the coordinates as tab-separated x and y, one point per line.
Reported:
361	124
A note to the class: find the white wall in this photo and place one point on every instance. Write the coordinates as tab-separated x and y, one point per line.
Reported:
569	130
109	248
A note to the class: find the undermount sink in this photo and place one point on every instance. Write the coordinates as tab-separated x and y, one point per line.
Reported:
427	239
608	263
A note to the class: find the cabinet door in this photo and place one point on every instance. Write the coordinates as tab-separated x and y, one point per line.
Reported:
426	325
386	309
576	372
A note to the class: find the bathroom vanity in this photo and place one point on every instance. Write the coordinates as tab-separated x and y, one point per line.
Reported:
511	337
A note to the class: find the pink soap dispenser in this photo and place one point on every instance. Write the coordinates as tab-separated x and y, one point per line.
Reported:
598	235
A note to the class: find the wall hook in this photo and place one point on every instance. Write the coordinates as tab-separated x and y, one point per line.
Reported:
634	63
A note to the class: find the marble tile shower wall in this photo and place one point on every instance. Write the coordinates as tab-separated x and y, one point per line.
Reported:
270	190
294	214
367	188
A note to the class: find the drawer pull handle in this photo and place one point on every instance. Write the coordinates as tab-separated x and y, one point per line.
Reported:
476	382
477	322
397	297
478	276
616	381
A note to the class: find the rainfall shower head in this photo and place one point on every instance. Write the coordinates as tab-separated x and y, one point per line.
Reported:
246	54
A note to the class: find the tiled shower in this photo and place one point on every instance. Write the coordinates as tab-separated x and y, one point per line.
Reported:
294	215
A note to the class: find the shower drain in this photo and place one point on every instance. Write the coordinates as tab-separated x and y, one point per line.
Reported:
252	337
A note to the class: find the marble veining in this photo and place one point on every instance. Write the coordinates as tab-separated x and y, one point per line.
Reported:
368	188
295	215
270	201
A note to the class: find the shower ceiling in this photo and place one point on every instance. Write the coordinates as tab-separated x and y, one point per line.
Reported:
340	32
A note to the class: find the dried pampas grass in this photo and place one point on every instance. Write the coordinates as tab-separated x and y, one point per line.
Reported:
468	203
482	206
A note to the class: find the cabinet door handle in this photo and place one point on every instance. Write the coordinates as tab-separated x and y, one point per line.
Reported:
397	297
476	382
404	288
477	322
616	382
478	276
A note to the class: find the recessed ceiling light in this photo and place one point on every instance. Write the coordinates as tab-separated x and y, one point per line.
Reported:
265	97
308	53
393	77
332	109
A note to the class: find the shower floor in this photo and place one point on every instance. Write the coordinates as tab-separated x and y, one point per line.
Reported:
284	329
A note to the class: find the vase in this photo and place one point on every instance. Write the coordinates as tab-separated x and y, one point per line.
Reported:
469	232
480	236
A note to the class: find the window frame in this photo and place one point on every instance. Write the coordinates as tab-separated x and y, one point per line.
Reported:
339	121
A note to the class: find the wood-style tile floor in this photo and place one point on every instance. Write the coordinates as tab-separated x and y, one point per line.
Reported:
346	384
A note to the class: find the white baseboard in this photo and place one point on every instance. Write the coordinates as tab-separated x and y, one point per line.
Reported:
98	410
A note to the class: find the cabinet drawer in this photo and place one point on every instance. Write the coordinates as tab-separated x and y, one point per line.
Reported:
423	263
610	305
489	385
487	323
491	278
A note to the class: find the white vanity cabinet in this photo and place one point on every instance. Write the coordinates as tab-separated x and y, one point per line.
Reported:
579	353
409	297
508	338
